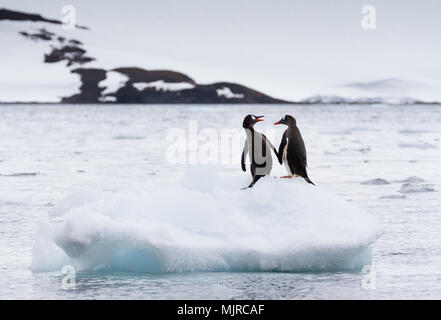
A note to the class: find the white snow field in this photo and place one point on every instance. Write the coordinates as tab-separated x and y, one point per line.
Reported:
205	222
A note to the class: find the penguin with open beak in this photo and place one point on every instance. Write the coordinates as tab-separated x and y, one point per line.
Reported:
292	151
258	147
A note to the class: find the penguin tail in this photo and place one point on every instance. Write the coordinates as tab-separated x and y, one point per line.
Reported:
255	179
250	186
308	180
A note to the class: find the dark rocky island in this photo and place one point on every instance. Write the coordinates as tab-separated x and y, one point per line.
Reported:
160	86
126	84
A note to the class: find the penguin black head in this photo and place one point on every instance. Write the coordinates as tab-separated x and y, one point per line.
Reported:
250	120
288	120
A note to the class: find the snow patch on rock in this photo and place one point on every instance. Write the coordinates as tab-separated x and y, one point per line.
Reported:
113	82
227	93
160	85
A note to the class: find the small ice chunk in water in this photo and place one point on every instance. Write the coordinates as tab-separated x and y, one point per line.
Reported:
376	182
417	145
411	188
394	196
20	174
413	179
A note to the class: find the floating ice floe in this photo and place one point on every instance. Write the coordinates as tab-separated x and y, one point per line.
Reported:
393	196
418	145
411	188
410	131
377	182
20	174
206	223
128	137
413	179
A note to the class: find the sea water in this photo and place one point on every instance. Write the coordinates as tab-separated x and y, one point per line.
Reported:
74	176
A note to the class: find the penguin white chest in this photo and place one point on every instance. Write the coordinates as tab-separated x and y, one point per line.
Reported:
285	158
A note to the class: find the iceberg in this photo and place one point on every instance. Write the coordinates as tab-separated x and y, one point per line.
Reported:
205	222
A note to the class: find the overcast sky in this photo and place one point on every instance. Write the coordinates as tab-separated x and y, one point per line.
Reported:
286	48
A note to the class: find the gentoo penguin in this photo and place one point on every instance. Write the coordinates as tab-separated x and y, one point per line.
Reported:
292	149
259	149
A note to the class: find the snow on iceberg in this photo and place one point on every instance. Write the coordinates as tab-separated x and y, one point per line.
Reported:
279	225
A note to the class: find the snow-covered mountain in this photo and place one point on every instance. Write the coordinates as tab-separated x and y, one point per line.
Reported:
383	91
42	62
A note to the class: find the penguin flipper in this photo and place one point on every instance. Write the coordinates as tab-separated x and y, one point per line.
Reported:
242	161
271	145
281	147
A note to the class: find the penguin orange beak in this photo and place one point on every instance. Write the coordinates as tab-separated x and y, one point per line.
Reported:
258	118
278	122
